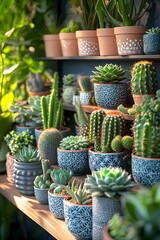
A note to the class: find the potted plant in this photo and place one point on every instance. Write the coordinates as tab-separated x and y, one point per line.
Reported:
106	187
73	154
110	90
42	183
143	81
26	167
152	36
57	193
86	92
70	88
78	211
15	142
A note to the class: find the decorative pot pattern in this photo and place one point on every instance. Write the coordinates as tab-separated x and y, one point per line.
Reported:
24	175
99	160
10	167
74	160
103	210
151	43
78	219
85	97
129	46
146	171
110	96
41	195
69	44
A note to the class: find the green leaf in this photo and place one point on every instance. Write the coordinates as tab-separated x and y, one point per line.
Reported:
5	124
6	101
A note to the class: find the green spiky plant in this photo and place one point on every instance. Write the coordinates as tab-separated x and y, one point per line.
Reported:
143	80
119	143
71	27
85	83
43	181
28	154
153	30
74	143
69	80
110	73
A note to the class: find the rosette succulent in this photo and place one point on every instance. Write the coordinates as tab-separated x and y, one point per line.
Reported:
74	143
153	30
28	154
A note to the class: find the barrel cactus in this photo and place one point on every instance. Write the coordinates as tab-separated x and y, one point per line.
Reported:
74	143
119	143
85	83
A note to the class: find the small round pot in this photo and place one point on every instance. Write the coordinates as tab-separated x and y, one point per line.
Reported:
107	42
52	45
24	175
20	129
38	132
87	43
146	171
103	210
98	160
10	166
65	132
78	219
74	160
106	235
138	99
151	43
41	195
56	206
69	44
85	97
110	96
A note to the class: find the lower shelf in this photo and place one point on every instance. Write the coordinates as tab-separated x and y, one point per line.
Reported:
36	211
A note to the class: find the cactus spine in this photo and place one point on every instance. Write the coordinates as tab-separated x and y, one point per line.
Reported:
143	79
85	83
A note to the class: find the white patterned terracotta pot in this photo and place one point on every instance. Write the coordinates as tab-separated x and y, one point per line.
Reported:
68	44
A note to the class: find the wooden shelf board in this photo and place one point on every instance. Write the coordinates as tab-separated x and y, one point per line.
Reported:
36	211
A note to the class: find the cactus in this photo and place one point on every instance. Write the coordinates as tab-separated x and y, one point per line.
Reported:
85	83
43	181
68	94
35	83
28	154
119	143
47	144
74	143
127	142
143	80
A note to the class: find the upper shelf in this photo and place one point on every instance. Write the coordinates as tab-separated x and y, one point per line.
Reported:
123	58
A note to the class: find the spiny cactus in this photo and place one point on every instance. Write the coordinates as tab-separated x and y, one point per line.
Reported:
74	143
109	182
143	80
68	94
119	143
47	144
108	74
35	83
43	181
85	83
28	154
127	142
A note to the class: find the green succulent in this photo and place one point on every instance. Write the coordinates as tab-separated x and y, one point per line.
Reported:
72	26
110	73
69	80
109	182
74	143
153	30
28	154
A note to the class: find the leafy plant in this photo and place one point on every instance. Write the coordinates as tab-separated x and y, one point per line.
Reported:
153	30
72	26
74	143
69	80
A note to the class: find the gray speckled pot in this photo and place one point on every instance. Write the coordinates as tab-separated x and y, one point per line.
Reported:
41	195
151	43
110	96
56	204
24	175
103	210
99	160
74	160
78	219
85	97
146	171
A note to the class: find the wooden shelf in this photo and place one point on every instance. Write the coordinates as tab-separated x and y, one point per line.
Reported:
36	211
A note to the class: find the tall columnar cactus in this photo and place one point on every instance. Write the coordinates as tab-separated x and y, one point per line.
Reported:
47	144
85	83
112	125
143	79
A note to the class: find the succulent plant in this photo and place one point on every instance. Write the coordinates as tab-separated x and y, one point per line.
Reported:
69	80
68	94
143	80
109	182
110	73
85	83
74	143
153	30
119	143
43	181
28	154
35	83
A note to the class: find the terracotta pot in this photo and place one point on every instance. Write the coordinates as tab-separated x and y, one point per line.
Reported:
138	99
52	45
10	166
106	235
68	44
130	39
87	43
107	41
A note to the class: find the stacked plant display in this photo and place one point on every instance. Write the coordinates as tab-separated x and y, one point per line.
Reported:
42	183
152	36
73	154
106	187
69	88
110	90
57	193
86	93
26	167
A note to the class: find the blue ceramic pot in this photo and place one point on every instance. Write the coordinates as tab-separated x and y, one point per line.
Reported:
74	160
56	204
151	43
41	195
146	171
78	219
110	96
85	97
38	132
99	160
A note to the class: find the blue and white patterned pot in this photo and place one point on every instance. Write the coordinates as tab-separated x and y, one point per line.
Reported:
151	43
110	96
78	219
41	195
103	210
85	97
146	171
56	204
74	160
99	160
